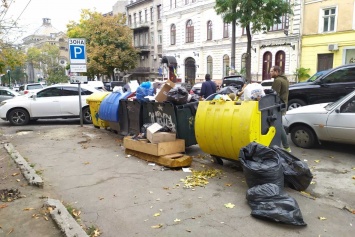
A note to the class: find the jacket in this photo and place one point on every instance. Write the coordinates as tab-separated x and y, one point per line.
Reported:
281	85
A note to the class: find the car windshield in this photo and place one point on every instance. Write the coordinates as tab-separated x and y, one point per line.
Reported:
332	105
33	87
317	75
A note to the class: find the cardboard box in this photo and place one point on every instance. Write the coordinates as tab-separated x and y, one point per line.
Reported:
163	93
161	137
158	149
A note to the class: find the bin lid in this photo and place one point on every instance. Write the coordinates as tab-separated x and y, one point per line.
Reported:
97	96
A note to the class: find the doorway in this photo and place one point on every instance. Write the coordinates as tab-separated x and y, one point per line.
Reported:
190	71
325	61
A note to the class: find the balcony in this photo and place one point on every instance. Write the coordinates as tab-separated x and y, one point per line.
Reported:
140	26
143	48
140	70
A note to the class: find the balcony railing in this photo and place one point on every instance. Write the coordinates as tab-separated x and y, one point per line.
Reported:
140	25
143	48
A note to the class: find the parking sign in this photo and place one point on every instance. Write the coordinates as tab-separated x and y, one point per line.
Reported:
77	51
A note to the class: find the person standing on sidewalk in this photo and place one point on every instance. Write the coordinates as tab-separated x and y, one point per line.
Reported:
280	86
208	87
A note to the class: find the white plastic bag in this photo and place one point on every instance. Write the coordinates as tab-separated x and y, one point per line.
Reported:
253	91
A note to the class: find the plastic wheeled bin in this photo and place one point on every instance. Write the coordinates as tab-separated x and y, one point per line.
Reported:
133	116
178	118
109	109
222	128
94	101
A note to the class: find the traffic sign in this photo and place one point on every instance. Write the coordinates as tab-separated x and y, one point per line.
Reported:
78	68
78	79
77	51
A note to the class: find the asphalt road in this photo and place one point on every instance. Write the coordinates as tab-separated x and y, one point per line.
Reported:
125	196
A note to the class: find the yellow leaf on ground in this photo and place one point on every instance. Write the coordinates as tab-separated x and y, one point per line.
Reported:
46	218
228	185
321	218
96	233
353	177
14	174
177	220
28	209
3	205
157	226
86	163
317	161
18	180
229	205
76	213
156	214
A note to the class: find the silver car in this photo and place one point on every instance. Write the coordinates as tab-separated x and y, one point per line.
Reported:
6	93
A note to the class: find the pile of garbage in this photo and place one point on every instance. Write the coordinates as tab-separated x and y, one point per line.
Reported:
267	170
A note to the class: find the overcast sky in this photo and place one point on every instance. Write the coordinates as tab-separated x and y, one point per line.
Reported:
59	11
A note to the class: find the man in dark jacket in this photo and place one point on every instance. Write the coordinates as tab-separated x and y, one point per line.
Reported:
208	87
280	86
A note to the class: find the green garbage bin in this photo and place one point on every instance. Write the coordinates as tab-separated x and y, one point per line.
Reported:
94	101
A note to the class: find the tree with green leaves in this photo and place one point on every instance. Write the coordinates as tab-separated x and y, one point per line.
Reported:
108	42
56	75
10	57
254	16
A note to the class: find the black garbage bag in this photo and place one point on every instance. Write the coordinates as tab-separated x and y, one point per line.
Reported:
178	95
261	165
269	202
194	98
297	175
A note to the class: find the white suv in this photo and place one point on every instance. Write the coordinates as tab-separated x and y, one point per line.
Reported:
31	88
57	101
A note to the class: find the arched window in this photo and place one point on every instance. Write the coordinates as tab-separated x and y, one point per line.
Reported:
172	34
280	60
225	65
243	62
209	30
209	65
267	62
189	31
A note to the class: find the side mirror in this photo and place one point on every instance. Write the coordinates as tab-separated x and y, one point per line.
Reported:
34	96
337	111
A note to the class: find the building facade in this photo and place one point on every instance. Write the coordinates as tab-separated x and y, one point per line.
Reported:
144	17
201	42
46	34
328	38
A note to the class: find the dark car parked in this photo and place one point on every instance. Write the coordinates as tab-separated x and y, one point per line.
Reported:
236	81
329	87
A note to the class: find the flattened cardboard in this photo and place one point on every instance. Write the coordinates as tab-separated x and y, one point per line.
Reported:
163	93
158	149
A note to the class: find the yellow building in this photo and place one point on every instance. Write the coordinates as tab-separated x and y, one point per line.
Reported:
328	37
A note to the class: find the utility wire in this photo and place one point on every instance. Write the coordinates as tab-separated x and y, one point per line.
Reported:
16	19
6	10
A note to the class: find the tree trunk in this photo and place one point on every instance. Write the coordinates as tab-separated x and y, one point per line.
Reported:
248	62
233	47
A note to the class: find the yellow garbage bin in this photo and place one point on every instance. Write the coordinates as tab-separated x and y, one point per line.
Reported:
222	128
94	101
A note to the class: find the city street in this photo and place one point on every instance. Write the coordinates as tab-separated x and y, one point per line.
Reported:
122	195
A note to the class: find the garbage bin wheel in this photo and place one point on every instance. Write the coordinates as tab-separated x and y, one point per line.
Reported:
217	160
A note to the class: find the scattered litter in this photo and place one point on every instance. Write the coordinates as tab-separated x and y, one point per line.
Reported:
188	170
151	164
305	160
349	209
177	220
156	214
317	161
127	156
157	226
229	205
200	178
322	218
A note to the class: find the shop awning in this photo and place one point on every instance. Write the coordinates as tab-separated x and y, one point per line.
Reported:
169	60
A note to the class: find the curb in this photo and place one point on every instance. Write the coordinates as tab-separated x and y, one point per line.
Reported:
26	169
64	220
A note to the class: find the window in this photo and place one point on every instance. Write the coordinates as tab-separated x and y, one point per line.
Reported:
172	34
280	60
54	91
243	62
151	14
145	15
209	65
140	17
225	65
172	4
134	19
129	20
282	25
189	32
209	30
69	91
328	19
160	37
159	11
225	30
341	76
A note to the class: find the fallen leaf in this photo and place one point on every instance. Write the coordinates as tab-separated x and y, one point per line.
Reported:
86	163
158	199
161	210
96	233
353	168
228	185
18	180
12	229
46	218
353	177
28	209
317	161
14	174
76	213
101	198
229	205
157	226
331	157
321	218
166	188
313	182
177	220
3	205
150	192
156	214
188	231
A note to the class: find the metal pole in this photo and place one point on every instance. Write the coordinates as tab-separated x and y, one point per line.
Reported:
8	73
80	108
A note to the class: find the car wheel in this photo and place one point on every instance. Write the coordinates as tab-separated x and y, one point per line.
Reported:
19	117
303	136
295	103
87	115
